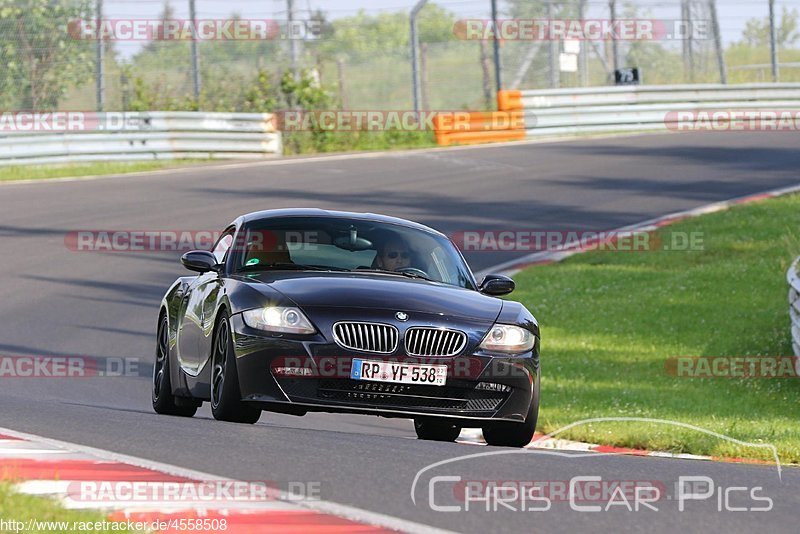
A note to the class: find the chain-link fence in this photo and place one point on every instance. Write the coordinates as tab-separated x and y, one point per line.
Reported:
362	60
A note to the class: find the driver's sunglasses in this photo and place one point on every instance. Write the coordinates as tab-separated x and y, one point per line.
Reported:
394	254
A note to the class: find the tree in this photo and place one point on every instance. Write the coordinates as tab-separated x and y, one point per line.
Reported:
41	59
167	15
756	32
363	36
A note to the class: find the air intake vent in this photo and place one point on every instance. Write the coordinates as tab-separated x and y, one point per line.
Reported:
368	337
434	341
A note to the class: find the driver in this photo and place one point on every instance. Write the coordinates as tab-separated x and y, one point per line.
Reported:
393	255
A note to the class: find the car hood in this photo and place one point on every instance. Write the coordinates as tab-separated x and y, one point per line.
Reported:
385	292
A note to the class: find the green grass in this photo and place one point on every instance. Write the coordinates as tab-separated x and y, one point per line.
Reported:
323	142
609	320
44	172
22	508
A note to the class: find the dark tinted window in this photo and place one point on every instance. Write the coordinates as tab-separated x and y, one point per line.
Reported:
349	244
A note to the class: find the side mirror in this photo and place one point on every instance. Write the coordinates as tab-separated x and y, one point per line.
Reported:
496	285
200	261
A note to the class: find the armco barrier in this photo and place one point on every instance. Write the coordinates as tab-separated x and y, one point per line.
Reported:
636	108
591	110
146	136
794	305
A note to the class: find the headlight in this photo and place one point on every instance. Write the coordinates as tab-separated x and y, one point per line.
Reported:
507	338
278	319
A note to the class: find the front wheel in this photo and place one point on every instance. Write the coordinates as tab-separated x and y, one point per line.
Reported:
515	434
164	402
226	398
433	430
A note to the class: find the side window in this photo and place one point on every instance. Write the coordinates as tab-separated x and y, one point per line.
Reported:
222	246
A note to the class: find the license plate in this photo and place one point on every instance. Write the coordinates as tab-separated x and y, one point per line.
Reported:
400	373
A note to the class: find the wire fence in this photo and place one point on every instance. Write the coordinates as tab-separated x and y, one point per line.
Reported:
57	56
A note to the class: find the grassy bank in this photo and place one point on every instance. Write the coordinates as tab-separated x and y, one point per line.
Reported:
297	143
44	172
43	515
611	320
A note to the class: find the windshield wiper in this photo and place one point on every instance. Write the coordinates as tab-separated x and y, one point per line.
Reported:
281	266
398	273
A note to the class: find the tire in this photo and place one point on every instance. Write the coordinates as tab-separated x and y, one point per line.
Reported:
164	402
226	398
515	434
433	430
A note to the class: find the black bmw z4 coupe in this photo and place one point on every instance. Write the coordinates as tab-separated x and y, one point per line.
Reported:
299	310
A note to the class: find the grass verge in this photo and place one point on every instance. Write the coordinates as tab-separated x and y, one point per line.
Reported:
43	515
44	172
611	320
317	142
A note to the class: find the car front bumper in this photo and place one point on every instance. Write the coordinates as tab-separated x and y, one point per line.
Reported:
297	376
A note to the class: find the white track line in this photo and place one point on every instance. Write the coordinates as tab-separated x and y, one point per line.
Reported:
273	161
514	266
325	507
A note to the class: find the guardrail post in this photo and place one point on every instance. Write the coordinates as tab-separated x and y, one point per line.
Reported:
100	70
195	56
612	7
415	84
688	52
583	57
423	67
552	52
723	73
485	71
292	40
773	41
340	70
498	76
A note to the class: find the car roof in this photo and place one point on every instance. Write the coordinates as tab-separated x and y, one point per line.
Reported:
317	212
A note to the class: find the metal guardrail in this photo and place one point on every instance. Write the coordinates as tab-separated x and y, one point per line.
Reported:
588	110
141	136
793	277
637	108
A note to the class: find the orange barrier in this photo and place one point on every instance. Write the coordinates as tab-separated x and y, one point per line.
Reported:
471	138
470	127
509	100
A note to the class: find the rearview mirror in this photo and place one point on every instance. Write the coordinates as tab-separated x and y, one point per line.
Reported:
496	285
200	261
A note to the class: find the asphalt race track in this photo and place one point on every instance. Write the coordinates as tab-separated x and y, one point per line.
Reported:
56	302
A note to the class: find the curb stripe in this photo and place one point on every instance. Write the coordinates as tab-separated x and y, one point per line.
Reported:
552	256
289	511
544	441
79	470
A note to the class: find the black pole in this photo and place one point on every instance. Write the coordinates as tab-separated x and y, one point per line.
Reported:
497	73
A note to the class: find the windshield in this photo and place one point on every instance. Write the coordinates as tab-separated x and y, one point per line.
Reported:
341	244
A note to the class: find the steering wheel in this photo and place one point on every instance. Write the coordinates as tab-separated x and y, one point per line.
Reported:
413	270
